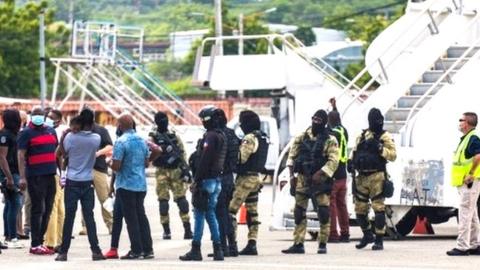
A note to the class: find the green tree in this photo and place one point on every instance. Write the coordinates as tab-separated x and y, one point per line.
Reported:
306	35
19	66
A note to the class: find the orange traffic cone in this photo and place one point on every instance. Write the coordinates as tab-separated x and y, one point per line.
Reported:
242	218
423	226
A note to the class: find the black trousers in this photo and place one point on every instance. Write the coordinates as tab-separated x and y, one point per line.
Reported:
137	223
79	191
224	219
42	191
117	223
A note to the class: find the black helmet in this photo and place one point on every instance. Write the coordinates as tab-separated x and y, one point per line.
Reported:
249	121
209	116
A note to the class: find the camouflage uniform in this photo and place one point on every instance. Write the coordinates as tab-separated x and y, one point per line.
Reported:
246	188
301	195
370	186
170	180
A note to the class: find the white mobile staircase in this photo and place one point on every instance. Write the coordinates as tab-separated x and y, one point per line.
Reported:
112	77
410	57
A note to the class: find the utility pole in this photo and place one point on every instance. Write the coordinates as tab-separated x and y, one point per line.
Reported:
43	84
240	33
218	25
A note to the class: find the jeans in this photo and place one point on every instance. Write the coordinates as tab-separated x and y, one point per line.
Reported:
12	205
223	217
117	223
79	191
41	190
138	227
213	187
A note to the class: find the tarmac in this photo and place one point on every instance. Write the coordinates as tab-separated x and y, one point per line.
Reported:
414	252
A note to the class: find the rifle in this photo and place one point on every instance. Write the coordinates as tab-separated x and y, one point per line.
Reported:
186	175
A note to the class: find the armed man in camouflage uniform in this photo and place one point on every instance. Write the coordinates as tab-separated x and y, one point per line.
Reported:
374	147
172	175
252	157
314	155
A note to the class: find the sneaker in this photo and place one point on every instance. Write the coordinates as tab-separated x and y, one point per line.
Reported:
345	238
98	256
39	251
61	257
457	252
111	254
14	244
148	255
51	251
474	251
3	246
131	256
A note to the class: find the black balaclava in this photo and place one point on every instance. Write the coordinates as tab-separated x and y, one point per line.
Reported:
318	128
249	121
375	120
161	119
222	118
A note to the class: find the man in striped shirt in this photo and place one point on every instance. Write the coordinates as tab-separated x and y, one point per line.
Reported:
37	167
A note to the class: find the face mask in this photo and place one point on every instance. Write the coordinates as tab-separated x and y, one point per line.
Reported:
38	120
49	122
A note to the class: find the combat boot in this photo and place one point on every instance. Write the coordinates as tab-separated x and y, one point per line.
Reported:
195	254
295	249
322	248
378	243
188	231
167	235
366	239
217	252
250	249
233	249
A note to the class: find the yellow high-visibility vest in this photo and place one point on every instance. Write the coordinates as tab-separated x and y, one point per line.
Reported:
461	166
342	144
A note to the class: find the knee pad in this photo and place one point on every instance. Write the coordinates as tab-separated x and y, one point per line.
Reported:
323	214
299	214
163	207
182	205
362	221
380	220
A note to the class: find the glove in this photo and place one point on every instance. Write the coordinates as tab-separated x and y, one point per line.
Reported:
380	147
318	176
350	167
293	186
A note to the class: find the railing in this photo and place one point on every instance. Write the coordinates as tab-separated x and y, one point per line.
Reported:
409	126
160	89
378	60
270	38
326	66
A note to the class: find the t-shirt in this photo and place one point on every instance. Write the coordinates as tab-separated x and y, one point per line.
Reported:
473	147
100	163
132	151
81	148
9	139
40	144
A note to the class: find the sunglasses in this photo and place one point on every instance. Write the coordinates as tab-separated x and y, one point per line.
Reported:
461	120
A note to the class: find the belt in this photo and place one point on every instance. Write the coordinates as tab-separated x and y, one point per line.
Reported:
73	183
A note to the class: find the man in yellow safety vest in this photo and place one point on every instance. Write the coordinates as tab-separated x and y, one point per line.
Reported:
465	176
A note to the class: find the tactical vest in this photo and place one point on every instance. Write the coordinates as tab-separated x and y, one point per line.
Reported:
219	162
462	166
171	156
342	143
367	158
311	156
231	158
256	161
